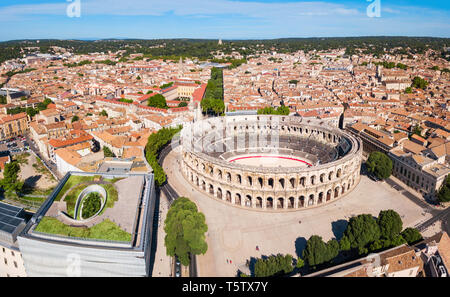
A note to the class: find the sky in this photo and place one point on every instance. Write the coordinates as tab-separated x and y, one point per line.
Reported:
220	19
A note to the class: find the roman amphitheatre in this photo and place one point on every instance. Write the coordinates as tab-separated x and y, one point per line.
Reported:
270	163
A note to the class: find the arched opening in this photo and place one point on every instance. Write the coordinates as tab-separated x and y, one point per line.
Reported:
204	186
349	185
313	180
343	188
336	192
320	198
291	203
239	179
198	182
228	197
261	182
269	203
211	189
339	173
280	203
228	177
248	201
271	182
301	202
237	199
219	174
329	195
259	202
219	193
250	181
322	177
311	200
302	181
281	181
292	181
330	175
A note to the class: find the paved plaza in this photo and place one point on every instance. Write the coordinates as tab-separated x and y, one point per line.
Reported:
235	232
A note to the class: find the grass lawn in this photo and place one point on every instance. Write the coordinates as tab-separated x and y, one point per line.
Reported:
72	196
106	230
72	181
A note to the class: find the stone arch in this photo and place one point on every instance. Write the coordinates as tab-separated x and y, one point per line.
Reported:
219	174
239	179
228	196
270	183
250	181
330	175
322	178
248	201
204	185
320	201
291	202
302	181
219	193
237	199
259	202
261	182
301	201
292	181
311	200
313	180
269	202
329	193
211	189
280	203
228	177
282	182
339	173
336	192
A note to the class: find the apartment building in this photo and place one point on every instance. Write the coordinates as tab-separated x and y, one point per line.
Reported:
13	125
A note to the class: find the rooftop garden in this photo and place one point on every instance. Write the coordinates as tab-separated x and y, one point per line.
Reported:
105	230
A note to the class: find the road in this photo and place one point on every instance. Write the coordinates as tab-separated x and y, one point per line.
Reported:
172	195
437	214
52	166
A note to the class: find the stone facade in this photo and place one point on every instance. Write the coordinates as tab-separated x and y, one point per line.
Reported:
276	189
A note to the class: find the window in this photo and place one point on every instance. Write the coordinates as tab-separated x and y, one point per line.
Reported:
15	264
12	253
6	261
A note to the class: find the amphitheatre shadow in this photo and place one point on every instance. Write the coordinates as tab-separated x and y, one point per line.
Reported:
339	228
300	245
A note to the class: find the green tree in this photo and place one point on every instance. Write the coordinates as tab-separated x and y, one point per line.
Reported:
444	192
419	83
390	224
318	252
75	119
103	113
274	266
185	229
182	104
380	165
300	263
108	153
344	244
412	235
10	181
408	90
362	230
158	101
